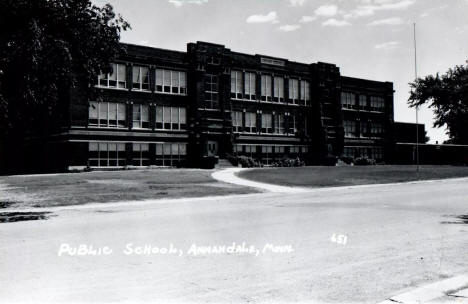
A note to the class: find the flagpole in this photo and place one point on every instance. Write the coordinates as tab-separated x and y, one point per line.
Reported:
417	107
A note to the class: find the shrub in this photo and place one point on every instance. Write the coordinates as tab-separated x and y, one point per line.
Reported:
232	159
289	162
247	162
329	160
209	162
363	161
347	159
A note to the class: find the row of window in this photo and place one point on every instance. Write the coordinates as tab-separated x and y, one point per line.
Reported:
269	123
348	100
366	152
366	128
267	153
109	154
272	88
113	115
166	81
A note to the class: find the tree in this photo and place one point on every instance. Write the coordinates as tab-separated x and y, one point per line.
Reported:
447	95
48	48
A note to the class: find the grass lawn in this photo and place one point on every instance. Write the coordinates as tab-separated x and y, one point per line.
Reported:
102	187
350	175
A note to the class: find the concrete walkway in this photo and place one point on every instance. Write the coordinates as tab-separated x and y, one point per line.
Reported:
452	290
230	176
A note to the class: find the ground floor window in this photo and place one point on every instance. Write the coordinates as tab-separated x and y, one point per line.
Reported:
364	152
267	154
106	154
171	154
141	154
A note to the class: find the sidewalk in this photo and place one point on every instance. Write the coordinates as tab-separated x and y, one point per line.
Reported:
452	290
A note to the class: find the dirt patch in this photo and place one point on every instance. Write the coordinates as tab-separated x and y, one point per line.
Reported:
10	217
460	219
6	204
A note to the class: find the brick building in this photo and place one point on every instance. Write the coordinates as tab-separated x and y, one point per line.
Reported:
169	108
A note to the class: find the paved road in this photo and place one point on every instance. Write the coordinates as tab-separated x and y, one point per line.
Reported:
395	240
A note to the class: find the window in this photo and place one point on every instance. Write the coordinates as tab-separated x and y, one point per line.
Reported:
377	103
267	126
236	121
293	125
267	152
266	88
250	84
279	149
377	153
362	101
377	129
237	149
279	124
278	94
171	154
293	91
305	150
305	92
171	82
141	78
171	118
364	129
250	150
236	84
211	91
348	151
107	114
349	128
140	116
140	154
115	79
106	154
294	150
348	100
250	122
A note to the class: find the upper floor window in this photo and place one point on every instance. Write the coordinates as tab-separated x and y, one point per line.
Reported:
267	123
348	100
141	78
171	118
377	103
171	82
107	114
294	91
266	88
236	84
236	121
305	92
250	122
211	91
278	94
115	79
140	116
349	128
249	84
279	124
362	100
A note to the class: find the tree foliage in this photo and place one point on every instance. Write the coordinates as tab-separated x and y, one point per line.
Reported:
47	48
447	95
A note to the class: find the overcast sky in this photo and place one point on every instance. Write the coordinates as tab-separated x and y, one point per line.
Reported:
370	39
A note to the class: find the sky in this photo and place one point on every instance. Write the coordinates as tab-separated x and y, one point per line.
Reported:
371	39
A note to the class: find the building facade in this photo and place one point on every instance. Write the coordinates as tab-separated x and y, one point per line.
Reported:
168	108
